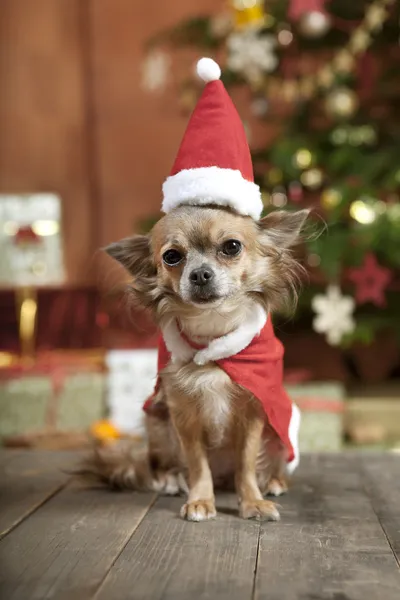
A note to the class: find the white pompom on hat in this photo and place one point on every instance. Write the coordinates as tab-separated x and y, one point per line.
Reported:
213	164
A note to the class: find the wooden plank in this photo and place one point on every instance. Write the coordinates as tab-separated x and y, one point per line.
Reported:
172	559
65	548
382	483
329	543
27	480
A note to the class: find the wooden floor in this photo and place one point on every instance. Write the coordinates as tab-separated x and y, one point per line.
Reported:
339	538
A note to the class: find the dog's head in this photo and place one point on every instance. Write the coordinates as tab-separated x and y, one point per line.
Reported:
203	257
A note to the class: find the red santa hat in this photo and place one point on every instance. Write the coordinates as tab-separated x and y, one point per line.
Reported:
213	165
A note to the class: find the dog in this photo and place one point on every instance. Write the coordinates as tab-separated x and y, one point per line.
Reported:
212	279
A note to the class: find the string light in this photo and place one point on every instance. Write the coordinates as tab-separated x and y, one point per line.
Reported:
279	198
311	178
285	37
330	198
362	213
10	228
45	228
303	158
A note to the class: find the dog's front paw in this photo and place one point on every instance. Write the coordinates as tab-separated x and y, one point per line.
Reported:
276	487
199	510
261	510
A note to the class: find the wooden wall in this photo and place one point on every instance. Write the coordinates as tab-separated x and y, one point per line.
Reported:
74	119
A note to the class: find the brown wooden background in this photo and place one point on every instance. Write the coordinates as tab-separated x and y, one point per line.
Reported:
74	119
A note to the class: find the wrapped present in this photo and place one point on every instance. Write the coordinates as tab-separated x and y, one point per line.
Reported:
373	414
322	406
57	393
130	380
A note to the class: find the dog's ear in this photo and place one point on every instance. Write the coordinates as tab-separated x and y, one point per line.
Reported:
134	254
284	227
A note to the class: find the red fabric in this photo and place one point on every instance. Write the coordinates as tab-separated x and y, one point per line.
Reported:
26	235
215	135
259	369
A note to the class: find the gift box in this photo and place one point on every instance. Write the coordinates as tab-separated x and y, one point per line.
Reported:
322	407
54	394
130	381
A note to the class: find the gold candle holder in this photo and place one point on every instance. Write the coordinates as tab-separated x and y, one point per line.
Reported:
26	300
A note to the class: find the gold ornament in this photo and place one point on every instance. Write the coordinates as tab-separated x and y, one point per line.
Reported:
326	77
27	309
312	178
375	16
314	24
274	176
360	40
343	61
330	198
249	13
303	158
341	103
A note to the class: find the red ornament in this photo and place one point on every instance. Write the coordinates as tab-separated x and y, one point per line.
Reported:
295	191
370	280
297	8
25	236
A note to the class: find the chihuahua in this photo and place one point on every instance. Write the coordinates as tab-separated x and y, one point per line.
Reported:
212	278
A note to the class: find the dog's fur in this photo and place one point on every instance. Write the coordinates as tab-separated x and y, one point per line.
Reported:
203	429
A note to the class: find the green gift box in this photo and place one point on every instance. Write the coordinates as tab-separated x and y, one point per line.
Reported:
322	406
28	404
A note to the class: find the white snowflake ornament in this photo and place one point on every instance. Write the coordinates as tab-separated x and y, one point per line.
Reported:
334	314
155	71
250	54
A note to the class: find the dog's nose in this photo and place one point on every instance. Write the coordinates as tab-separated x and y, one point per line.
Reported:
201	276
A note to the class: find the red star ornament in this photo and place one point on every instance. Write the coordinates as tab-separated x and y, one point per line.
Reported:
370	280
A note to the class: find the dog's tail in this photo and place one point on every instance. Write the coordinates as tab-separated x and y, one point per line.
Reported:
127	470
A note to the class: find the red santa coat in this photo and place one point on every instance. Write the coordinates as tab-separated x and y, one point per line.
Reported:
259	369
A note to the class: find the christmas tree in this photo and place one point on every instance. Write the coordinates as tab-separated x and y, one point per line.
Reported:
323	77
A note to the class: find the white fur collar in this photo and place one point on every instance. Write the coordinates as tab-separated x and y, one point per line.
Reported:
222	347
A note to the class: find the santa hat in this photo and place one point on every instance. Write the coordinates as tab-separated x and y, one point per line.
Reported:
213	165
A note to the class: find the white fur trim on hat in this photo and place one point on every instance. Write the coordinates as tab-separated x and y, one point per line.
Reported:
213	185
208	70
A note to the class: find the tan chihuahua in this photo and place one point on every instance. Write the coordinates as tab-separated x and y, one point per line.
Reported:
211	278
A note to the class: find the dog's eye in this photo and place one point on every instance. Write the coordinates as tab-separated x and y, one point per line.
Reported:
172	257
231	247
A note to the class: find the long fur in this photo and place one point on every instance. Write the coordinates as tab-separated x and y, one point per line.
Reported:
199	418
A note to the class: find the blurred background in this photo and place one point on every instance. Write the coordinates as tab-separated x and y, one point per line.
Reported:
94	98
